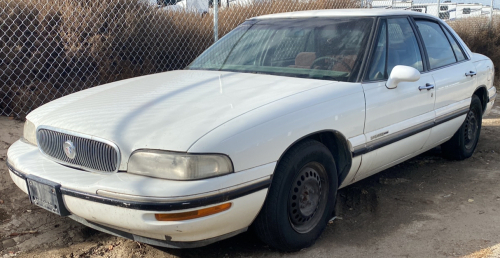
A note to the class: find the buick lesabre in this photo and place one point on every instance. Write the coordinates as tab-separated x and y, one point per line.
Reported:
260	131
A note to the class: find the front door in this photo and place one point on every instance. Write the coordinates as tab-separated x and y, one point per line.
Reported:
397	120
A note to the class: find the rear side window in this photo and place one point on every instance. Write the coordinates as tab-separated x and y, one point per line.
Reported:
436	43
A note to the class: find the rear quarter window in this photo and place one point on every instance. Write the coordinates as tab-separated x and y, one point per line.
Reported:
459	53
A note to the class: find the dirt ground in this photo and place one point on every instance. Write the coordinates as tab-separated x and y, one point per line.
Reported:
425	207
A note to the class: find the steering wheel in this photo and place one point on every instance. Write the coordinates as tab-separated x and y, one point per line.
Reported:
333	61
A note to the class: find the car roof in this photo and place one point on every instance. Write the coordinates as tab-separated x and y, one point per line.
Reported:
341	13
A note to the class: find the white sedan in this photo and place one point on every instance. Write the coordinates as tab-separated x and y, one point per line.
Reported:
260	130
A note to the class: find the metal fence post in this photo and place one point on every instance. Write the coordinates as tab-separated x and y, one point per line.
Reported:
439	8
216	20
42	76
491	12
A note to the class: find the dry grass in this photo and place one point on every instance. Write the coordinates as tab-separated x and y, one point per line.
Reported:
481	37
488	252
50	48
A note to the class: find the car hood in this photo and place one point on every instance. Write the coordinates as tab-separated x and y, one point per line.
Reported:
170	110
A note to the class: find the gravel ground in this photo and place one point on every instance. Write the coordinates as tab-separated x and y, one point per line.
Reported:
425	207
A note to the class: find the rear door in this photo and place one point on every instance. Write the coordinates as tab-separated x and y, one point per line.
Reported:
453	74
397	119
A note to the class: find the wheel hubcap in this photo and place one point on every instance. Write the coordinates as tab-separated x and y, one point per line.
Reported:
307	198
471	128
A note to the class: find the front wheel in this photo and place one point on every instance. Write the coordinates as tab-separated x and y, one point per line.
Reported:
464	142
301	198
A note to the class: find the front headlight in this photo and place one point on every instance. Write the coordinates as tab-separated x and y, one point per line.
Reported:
29	132
178	166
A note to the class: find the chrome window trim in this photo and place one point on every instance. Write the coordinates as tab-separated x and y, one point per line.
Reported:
85	136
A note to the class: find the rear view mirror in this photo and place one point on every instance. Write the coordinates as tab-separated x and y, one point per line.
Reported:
402	73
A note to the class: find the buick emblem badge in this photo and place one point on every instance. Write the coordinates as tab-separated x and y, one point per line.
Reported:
69	149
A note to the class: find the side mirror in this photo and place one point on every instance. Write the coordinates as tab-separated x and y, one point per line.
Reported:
402	73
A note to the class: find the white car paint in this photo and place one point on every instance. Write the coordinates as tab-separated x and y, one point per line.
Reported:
142	223
174	108
27	158
253	119
279	124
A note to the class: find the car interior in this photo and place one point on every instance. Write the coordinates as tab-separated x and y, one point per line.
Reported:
402	49
329	49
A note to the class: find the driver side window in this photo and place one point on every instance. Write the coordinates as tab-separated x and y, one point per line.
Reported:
396	45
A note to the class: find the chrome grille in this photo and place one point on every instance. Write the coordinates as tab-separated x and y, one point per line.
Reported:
91	154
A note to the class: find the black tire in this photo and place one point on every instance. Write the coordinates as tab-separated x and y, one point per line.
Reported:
463	143
285	222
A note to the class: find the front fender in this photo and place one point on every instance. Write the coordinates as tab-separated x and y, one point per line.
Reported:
264	134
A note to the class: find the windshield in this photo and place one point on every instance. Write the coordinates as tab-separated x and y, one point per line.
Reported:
319	48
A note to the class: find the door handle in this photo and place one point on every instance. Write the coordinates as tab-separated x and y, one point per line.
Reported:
471	73
427	86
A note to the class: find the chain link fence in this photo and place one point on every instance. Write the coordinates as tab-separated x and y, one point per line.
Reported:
51	48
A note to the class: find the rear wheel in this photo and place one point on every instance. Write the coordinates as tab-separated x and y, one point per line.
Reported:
464	142
301	198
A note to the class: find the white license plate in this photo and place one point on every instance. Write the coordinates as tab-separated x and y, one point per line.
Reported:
46	194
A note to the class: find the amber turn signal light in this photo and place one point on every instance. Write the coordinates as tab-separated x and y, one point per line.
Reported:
193	214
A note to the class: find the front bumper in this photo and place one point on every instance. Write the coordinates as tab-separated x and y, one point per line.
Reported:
98	200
